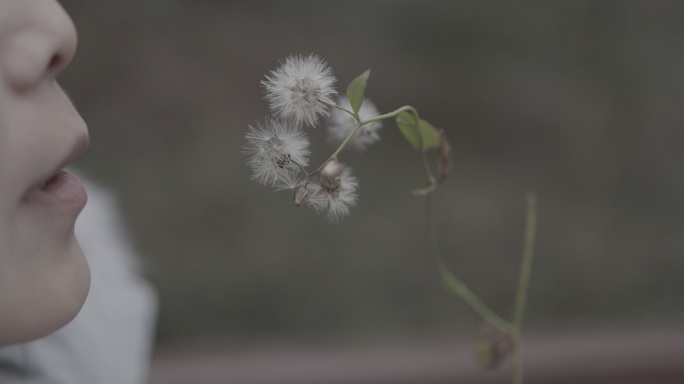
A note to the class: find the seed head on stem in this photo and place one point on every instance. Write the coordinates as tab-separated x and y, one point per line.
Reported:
276	152
300	89
335	191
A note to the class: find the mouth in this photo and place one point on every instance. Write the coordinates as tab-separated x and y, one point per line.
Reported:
61	189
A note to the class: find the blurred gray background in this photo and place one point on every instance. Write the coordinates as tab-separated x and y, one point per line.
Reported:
578	101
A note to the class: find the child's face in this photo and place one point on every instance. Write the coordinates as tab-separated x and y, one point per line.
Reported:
44	277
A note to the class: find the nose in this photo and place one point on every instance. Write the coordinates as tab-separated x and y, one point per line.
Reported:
41	45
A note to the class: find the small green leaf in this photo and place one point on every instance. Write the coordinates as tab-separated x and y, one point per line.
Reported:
356	89
429	135
407	125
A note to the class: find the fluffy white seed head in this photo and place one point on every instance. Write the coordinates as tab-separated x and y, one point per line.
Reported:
340	124
334	195
299	89
275	148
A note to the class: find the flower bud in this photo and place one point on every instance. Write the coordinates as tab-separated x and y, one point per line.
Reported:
444	157
301	195
332	169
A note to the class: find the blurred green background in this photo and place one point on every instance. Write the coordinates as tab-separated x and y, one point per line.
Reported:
578	101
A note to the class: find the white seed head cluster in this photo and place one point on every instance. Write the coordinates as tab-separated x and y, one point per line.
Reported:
341	124
334	194
300	89
276	151
299	92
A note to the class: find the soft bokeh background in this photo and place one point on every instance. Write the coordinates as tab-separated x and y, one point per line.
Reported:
578	101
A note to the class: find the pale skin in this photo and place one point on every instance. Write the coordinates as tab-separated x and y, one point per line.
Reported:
44	277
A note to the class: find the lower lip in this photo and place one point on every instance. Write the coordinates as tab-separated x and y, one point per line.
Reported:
63	193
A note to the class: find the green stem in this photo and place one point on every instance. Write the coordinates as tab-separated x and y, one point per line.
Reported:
332	105
390	115
358	126
523	284
456	286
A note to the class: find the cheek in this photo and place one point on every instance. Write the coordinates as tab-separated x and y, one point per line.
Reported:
5	246
23	148
5	164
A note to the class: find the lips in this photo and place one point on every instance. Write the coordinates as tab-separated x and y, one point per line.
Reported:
61	191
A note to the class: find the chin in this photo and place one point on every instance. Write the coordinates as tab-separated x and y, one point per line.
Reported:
75	285
49	301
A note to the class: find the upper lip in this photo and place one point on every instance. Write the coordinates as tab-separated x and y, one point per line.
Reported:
79	146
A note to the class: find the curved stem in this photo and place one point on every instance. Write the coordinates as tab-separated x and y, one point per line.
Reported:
390	115
332	105
456	286
523	284
301	167
358	126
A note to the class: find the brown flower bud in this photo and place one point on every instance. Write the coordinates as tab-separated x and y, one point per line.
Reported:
493	348
444	159
301	195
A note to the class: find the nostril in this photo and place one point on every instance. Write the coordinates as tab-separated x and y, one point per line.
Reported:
55	62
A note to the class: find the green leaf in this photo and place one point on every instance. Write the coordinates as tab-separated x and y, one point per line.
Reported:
430	135
356	89
407	125
426	133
